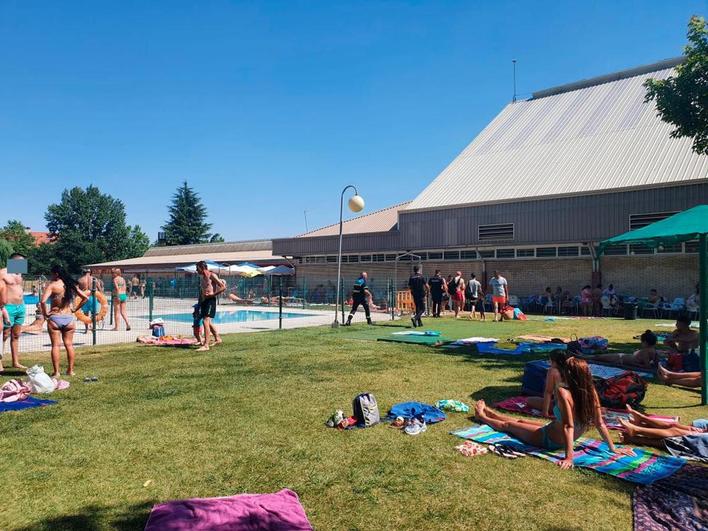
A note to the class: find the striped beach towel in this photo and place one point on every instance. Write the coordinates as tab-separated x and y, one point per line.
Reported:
644	468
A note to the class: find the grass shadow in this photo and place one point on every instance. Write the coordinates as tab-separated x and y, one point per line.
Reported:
95	517
495	393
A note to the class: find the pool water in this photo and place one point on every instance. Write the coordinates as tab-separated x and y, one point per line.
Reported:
31	299
236	316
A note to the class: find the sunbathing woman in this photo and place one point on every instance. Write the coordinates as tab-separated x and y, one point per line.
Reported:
645	358
686	379
577	406
647	431
62	291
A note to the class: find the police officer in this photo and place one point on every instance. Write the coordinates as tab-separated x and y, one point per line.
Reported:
360	296
419	289
436	286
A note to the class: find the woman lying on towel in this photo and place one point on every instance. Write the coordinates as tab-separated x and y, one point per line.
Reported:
645	358
647	431
686	379
577	407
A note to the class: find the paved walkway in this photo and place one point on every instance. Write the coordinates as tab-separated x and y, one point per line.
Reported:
177	316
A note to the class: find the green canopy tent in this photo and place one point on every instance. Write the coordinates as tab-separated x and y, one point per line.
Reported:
691	224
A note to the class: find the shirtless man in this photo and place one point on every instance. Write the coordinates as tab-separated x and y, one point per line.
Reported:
120	297
210	286
13	305
86	284
683	339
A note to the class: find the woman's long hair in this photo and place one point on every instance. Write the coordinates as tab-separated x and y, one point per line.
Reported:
70	285
577	377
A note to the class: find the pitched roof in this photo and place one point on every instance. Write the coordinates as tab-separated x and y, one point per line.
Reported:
39	237
586	137
382	220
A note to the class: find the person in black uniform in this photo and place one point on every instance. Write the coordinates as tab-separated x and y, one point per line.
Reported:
436	286
419	290
360	296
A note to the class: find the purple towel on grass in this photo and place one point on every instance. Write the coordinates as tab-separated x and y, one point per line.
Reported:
644	468
678	502
248	512
25	404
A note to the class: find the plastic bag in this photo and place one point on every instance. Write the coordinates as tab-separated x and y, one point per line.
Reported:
39	381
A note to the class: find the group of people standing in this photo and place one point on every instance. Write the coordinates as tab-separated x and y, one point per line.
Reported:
457	291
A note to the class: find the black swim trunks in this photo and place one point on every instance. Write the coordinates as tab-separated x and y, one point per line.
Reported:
207	308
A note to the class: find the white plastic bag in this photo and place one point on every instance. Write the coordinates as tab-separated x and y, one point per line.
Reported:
39	381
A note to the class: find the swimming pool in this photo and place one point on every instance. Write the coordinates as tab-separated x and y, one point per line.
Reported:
235	316
31	299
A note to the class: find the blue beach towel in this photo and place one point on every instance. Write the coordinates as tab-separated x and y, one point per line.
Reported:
25	404
644	468
408	410
521	348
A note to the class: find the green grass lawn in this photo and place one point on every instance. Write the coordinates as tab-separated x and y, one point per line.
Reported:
248	417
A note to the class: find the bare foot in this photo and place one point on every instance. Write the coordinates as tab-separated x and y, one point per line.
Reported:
56	375
18	366
1	368
218	341
203	348
70	373
632	412
114	329
127	329
629	428
479	408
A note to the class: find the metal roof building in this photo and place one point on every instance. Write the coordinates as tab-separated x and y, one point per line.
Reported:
547	178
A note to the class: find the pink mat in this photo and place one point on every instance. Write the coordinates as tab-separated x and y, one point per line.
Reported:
248	512
519	404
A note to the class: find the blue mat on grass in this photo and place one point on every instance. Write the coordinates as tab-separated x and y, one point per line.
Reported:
25	404
644	468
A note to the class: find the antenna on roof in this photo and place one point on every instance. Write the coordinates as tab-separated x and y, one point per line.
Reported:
306	229
513	100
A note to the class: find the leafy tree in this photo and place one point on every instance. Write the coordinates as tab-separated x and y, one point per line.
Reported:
216	238
5	251
187	224
682	99
89	227
16	234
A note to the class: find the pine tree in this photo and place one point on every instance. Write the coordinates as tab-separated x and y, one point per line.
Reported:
187	224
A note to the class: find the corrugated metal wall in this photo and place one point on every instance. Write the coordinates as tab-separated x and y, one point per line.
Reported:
570	219
558	220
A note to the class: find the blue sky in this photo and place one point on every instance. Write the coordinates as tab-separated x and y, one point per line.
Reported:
269	108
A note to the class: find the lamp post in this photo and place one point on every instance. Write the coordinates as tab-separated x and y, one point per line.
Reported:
356	204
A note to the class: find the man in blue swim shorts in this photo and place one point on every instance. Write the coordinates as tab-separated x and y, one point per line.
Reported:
13	312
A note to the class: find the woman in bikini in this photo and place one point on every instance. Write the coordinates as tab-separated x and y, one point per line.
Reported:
62	291
577	407
553	379
645	358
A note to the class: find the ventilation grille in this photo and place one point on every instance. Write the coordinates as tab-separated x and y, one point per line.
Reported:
637	221
500	231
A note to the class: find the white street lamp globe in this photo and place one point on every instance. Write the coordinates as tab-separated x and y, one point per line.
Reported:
356	203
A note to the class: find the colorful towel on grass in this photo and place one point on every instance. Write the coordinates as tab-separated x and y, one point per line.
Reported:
255	512
678	502
27	403
520	349
520	404
167	341
644	468
418	340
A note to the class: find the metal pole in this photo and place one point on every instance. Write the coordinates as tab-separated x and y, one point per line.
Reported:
342	302
93	311
280	304
151	299
335	324
703	314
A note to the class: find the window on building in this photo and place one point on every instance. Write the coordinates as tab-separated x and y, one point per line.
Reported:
353	258
670	248
378	257
365	258
585	251
435	256
616	250
505	253
638	248
390	257
489	253
468	255
320	259
331	259
496	232
545	252
637	221
451	255
568	251
525	253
